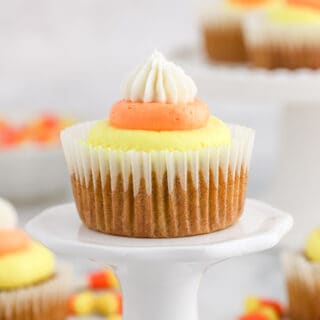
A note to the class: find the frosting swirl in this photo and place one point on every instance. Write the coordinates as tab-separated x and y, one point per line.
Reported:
8	215
158	80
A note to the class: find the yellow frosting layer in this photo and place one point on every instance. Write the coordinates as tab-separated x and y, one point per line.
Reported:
216	133
293	14
312	249
26	267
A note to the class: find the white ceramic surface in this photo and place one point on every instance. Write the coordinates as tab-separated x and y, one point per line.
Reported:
260	228
160	277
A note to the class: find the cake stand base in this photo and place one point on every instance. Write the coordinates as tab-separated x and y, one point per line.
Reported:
160	277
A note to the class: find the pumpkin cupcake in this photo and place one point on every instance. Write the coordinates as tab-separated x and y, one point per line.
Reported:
302	269
286	35
31	287
222	28
160	166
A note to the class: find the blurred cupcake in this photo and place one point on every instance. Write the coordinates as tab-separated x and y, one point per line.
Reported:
303	280
31	288
286	35
161	166
222	28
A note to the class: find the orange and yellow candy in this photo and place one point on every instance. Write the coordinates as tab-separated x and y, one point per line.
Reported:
102	279
262	309
109	303
81	304
114	317
44	129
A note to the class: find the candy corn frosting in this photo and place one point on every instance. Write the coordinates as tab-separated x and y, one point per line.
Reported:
23	262
159	111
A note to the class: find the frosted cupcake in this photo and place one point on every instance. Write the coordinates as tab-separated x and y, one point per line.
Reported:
286	35
160	166
222	28
31	287
303	279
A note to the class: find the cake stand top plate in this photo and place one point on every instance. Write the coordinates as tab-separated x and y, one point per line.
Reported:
261	227
244	84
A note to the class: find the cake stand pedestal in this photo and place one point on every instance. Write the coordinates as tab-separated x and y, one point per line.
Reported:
160	277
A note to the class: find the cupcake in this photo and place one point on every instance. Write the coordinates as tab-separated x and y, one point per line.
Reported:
160	166
303	279
31	287
222	29
286	35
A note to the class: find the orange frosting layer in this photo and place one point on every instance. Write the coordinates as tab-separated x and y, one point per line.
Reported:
13	240
248	3
156	116
314	4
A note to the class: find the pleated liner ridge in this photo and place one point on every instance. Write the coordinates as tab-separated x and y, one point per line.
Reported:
43	301
158	194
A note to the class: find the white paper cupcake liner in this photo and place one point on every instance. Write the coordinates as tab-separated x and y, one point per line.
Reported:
260	32
158	194
44	301
85	161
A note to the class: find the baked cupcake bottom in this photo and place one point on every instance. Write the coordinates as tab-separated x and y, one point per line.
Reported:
224	43
303	284
43	301
273	57
161	214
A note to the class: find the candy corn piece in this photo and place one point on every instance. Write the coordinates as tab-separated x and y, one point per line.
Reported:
253	304
253	316
102	279
109	303
81	304
114	317
275	305
264	313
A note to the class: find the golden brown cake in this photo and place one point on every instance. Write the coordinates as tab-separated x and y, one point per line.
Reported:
160	166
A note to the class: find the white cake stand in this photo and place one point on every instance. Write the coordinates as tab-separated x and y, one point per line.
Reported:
160	277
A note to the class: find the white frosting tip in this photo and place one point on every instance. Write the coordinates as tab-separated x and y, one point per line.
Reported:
159	80
8	215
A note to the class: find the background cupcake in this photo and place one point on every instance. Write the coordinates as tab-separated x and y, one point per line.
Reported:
160	166
31	287
31	142
286	35
303	280
222	28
